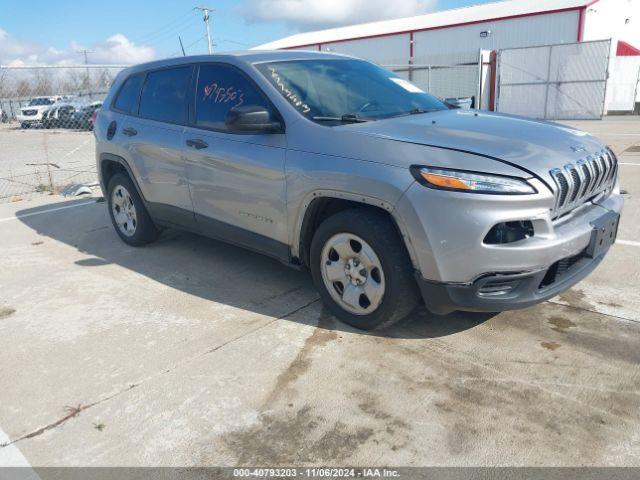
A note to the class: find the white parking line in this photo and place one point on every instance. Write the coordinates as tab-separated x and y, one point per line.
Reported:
627	163
75	149
17	217
11	456
629	243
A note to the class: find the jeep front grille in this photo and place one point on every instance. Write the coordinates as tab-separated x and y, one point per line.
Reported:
589	177
29	113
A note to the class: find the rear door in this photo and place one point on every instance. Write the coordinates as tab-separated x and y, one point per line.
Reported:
237	179
153	140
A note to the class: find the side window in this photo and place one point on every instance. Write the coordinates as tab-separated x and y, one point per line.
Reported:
127	99
221	88
164	95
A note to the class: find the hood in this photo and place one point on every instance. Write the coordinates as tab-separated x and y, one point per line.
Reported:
532	145
37	108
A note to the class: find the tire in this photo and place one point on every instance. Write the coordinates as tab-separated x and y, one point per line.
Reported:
380	245
137	228
24	125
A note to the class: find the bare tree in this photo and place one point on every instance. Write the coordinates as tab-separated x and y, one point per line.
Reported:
42	82
23	88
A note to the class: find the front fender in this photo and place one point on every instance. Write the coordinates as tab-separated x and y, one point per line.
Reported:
312	176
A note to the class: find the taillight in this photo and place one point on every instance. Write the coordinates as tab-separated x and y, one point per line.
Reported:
93	116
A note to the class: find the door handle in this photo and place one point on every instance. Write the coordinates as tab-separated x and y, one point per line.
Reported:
130	132
197	143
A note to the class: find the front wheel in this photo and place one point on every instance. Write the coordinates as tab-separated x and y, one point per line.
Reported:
362	270
128	214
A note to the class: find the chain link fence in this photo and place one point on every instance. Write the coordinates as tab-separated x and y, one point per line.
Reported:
554	82
46	114
445	81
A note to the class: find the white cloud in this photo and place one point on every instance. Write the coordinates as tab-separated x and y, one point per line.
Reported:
115	49
309	14
119	49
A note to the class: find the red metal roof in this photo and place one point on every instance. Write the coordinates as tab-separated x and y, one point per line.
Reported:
500	10
626	50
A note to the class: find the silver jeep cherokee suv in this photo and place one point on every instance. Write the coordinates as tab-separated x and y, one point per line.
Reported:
334	164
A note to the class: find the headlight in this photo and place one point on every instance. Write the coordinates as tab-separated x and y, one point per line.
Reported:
473	182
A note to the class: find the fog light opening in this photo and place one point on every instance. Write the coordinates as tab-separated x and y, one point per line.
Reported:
509	232
496	288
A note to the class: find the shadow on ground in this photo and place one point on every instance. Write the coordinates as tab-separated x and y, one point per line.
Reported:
210	269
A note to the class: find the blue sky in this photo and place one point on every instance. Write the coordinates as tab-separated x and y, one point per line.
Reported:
127	31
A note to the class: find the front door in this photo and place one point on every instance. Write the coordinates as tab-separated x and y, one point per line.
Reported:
237	180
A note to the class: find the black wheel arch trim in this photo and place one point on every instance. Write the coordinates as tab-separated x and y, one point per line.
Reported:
109	157
358	201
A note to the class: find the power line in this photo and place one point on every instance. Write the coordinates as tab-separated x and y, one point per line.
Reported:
228	40
188	46
178	28
164	29
196	41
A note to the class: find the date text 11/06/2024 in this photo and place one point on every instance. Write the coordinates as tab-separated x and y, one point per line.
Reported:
364	473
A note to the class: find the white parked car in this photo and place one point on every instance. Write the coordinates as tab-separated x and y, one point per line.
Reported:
32	113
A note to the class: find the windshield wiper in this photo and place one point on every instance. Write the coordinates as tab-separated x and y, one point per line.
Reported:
346	118
417	111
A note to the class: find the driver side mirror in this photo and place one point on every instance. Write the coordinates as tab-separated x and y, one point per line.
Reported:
252	118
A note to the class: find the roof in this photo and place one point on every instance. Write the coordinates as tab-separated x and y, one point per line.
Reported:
445	18
626	50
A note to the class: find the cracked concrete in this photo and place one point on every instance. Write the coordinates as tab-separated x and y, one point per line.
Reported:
191	353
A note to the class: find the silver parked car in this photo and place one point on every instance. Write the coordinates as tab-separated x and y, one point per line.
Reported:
334	164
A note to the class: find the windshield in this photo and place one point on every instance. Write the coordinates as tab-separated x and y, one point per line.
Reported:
40	101
346	90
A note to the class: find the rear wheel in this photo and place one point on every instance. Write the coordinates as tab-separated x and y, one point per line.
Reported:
128	214
361	269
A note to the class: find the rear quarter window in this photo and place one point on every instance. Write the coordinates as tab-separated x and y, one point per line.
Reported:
127	99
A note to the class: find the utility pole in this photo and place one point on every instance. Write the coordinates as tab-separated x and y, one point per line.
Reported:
84	51
206	11
86	59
